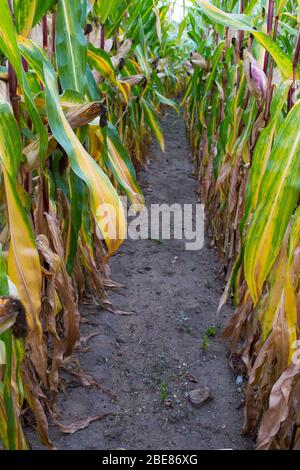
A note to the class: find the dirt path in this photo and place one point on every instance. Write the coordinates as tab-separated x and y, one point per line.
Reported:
153	354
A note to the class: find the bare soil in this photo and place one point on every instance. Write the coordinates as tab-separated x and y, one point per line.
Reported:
151	359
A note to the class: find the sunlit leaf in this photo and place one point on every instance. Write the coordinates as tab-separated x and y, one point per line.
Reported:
277	200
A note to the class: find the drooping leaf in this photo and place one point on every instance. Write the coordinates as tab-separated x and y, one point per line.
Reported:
166	101
152	121
23	260
263	148
277	200
120	164
105	204
100	60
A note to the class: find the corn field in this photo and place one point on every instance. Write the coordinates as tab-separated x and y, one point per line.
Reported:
243	118
84	85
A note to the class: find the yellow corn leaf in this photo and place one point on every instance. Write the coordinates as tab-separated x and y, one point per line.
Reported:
121	165
105	203
277	200
23	260
152	121
101	61
24	13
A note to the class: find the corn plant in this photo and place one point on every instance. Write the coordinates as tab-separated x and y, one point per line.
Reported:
243	114
82	83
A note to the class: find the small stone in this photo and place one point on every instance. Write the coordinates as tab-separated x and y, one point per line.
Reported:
199	396
239	380
191	378
168	403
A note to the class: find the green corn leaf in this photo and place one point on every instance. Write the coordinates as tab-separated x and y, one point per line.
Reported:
106	8
28	13
166	101
24	12
32	55
249	119
3	276
77	189
70	46
242	22
42	7
9	46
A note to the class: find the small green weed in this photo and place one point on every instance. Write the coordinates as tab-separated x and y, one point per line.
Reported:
210	332
163	392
